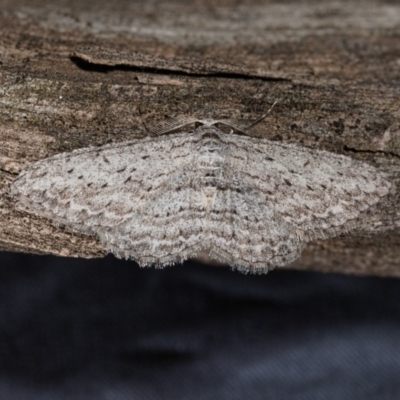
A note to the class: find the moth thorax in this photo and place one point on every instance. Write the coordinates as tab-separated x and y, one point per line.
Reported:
210	161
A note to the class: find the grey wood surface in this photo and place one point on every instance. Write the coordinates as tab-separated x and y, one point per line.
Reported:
75	74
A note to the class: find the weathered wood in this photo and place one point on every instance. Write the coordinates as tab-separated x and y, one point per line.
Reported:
97	73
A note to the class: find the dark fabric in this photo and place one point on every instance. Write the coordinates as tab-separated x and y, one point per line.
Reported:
106	329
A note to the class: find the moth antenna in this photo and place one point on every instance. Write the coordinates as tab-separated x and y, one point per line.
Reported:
263	116
169	126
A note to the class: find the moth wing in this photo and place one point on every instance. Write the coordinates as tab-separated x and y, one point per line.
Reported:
168	229
248	234
104	186
314	191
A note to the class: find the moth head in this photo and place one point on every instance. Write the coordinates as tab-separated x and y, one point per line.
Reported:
217	125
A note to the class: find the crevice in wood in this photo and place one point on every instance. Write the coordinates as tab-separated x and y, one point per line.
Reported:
355	151
97	67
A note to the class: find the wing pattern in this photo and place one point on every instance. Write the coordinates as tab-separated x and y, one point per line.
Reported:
251	202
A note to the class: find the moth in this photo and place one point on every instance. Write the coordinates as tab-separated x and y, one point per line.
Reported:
252	203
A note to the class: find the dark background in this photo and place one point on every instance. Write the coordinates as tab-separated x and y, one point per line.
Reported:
106	329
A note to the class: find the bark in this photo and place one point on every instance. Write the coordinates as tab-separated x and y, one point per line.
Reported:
78	74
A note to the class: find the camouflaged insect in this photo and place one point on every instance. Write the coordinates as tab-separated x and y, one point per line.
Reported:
250	202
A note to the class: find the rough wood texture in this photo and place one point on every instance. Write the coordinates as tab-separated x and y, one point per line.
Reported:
75	74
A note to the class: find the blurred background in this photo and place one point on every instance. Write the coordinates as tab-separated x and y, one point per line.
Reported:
107	329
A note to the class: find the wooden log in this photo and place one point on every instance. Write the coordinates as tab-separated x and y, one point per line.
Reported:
94	73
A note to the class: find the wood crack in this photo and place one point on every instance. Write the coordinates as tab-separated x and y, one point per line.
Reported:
383	152
177	70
